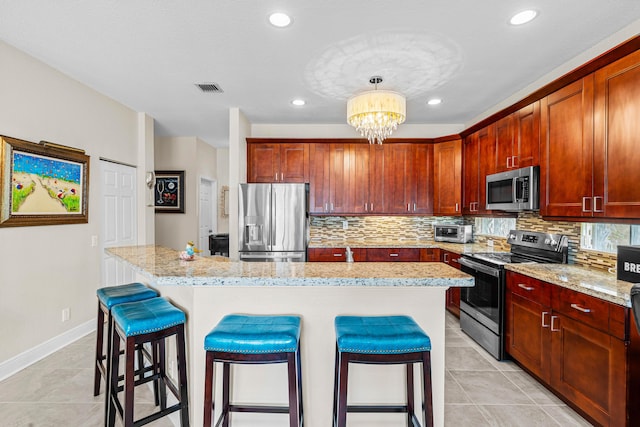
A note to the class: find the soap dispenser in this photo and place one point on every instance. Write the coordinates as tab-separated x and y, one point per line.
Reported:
349	254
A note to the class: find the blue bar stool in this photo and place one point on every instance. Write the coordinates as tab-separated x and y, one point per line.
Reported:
381	340
147	321
253	339
107	298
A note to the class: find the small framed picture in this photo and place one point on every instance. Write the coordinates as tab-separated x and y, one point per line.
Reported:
169	192
42	184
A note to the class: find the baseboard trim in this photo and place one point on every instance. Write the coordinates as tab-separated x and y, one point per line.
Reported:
39	352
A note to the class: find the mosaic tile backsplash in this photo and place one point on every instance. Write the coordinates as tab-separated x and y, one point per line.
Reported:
371	228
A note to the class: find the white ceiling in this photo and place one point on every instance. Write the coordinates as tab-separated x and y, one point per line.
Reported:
149	54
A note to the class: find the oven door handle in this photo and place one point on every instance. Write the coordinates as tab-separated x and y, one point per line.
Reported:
479	267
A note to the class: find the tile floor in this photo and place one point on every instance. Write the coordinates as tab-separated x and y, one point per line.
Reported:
479	391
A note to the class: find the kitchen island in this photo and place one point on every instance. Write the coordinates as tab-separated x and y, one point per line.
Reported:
209	288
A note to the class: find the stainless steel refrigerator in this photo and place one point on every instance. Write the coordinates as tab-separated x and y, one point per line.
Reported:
274	222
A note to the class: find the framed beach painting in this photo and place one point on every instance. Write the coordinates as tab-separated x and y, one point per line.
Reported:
169	192
42	184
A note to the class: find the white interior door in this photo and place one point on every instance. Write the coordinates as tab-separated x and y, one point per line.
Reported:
208	213
119	219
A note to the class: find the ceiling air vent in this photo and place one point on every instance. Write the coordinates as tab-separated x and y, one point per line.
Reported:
209	87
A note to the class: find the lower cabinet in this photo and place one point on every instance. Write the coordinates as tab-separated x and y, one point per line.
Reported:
374	254
577	345
335	254
453	294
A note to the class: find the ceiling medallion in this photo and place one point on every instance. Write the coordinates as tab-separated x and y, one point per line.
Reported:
376	113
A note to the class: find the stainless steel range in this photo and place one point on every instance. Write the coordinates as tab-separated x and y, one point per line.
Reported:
482	306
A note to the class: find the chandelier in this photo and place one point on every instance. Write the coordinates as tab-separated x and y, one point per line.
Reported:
376	113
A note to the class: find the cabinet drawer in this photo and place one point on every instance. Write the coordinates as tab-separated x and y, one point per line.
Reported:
529	288
333	254
584	308
395	254
429	255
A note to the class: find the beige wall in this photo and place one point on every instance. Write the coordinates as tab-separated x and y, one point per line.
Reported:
198	160
45	269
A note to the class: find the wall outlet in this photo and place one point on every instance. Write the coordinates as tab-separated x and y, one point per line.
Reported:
65	314
94	241
345	224
490	243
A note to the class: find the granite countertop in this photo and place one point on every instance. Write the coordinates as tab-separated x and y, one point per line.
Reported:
163	267
586	280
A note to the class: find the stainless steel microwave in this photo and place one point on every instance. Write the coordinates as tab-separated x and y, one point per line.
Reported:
514	190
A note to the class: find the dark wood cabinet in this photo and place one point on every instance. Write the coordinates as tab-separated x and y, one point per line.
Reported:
430	255
277	162
527	136
329	178
478	161
574	343
335	254
393	254
452	303
505	142
567	151
408	178
447	178
367	185
616	155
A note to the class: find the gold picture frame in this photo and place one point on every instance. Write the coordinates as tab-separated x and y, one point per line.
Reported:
42	184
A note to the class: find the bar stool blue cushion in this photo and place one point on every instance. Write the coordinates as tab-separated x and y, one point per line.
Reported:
131	292
150	315
245	334
380	335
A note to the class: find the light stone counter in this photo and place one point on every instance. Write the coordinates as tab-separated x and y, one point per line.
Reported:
209	288
458	248
586	280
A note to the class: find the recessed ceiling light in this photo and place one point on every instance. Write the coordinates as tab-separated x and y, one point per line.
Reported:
279	19
523	17
434	101
298	102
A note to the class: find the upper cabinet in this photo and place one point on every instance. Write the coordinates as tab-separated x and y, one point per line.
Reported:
277	162
479	153
408	179
447	177
616	154
567	151
329	178
517	142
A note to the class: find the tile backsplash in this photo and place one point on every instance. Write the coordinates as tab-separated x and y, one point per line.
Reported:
372	228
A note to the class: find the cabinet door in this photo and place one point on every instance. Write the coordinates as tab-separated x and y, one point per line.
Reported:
429	255
504	144
294	163
487	146
451	258
527	125
471	174
527	324
263	161
589	367
334	254
339	178
447	174
360	175
422	179
377	185
398	171
567	151
319	177
617	125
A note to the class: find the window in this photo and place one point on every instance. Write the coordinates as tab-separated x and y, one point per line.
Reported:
498	227
607	237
